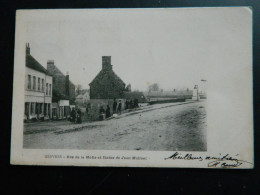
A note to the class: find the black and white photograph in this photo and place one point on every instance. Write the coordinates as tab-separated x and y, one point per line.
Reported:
144	81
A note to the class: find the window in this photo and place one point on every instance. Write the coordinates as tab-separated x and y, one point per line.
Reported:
46	88
42	85
32	108
39	84
50	89
29	82
34	83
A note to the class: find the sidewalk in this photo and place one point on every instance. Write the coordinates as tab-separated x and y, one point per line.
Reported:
152	107
65	126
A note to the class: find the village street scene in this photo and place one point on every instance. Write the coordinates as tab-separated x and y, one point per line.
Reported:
109	115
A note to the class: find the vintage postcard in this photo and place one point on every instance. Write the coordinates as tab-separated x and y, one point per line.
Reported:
168	87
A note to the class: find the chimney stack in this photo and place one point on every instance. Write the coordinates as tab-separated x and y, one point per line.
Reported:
50	62
106	63
27	49
50	65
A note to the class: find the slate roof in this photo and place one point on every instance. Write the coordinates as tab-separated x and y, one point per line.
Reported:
32	63
111	74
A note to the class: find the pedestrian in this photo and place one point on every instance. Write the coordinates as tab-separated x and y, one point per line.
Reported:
136	103
79	116
114	106
126	104
73	115
119	107
108	112
101	113
131	104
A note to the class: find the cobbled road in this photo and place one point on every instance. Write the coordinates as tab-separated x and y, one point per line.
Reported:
179	127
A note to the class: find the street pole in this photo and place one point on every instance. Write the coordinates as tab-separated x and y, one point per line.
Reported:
197	92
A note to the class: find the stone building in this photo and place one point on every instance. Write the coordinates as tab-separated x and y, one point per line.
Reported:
104	88
106	85
63	92
38	89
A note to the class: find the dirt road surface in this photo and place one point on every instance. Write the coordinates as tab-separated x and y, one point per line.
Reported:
178	127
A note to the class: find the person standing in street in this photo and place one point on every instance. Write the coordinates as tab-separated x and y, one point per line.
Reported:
131	104
119	107
101	113
73	115
108	112
79	116
126	104
114	106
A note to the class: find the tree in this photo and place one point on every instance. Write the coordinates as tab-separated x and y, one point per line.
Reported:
128	88
78	89
154	87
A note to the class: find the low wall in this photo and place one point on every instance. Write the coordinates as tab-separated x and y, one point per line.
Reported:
167	101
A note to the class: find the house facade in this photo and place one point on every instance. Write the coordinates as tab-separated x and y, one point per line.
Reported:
82	98
63	92
38	89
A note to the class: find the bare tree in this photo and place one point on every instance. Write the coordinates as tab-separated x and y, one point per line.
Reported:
154	87
78	89
128	88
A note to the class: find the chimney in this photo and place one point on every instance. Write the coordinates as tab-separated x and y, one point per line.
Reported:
27	49
50	65
106	63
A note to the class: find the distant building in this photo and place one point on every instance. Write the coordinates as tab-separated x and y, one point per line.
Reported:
38	89
136	95
166	95
82	98
106	85
63	92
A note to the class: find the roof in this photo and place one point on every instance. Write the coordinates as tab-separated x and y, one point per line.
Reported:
32	63
59	71
112	74
79	96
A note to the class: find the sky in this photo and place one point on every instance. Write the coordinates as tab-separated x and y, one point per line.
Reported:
172	47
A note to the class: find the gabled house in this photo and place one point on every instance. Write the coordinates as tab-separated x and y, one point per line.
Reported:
82	98
106	85
63	92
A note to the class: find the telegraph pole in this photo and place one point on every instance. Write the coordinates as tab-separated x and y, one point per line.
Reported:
197	92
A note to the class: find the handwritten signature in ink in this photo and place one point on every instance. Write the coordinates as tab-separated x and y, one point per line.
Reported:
223	161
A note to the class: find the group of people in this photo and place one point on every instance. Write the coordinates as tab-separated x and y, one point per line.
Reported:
131	104
104	113
117	108
75	115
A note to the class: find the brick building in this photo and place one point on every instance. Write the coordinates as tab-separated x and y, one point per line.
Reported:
106	85
38	89
63	92
104	88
